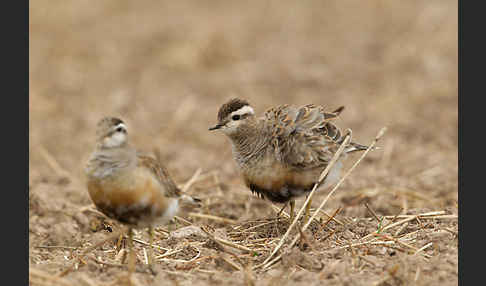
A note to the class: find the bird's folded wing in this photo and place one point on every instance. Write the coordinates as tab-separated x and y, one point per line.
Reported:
304	137
161	173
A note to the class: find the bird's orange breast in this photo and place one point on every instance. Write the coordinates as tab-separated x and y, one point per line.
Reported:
129	197
279	183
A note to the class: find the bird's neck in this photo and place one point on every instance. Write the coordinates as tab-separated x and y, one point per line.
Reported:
102	145
249	142
110	161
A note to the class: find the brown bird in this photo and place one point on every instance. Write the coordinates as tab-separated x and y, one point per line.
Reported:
128	186
282	153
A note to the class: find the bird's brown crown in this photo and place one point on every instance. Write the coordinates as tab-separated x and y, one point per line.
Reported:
105	124
109	121
231	106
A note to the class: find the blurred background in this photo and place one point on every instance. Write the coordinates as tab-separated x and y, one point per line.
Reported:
165	67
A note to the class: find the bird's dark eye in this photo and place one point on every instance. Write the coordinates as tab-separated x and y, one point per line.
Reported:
120	129
235	117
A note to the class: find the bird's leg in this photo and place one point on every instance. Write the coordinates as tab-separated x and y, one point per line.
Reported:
131	256
121	248
307	211
119	242
292	210
151	250
281	210
151	242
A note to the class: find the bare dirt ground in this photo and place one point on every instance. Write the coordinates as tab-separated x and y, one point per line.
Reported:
165	67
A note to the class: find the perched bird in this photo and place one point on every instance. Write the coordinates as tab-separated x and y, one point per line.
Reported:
128	186
282	153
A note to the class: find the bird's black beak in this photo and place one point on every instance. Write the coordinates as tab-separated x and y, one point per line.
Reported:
217	126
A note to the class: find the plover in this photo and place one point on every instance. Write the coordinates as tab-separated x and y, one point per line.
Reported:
282	153
126	185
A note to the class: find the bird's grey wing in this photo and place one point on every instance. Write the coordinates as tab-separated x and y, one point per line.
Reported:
305	137
308	151
285	120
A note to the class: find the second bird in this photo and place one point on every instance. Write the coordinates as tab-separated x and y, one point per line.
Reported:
282	153
131	187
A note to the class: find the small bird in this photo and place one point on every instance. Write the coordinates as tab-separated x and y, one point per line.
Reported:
282	153
126	185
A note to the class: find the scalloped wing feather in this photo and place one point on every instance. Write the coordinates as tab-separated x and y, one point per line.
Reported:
308	151
304	137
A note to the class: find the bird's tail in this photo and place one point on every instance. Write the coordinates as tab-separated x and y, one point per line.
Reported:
354	147
190	201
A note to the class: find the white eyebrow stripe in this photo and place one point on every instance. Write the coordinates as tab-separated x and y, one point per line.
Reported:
244	110
121	125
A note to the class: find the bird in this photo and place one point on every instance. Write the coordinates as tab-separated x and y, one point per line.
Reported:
130	186
281	154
